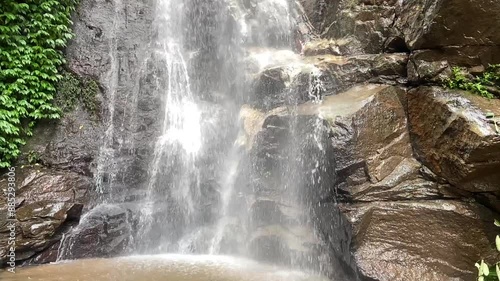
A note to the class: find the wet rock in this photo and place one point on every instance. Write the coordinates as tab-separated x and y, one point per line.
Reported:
368	23
452	137
270	86
434	66
422	236
341	73
434	24
265	212
352	116
428	71
70	143
323	75
288	153
48	202
39	183
105	231
405	182
340	47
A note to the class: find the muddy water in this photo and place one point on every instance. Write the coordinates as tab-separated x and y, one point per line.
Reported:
158	268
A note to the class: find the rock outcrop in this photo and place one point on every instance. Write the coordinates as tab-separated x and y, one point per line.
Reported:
456	140
47	203
392	214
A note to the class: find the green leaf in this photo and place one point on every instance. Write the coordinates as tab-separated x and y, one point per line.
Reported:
497	242
485	270
497	269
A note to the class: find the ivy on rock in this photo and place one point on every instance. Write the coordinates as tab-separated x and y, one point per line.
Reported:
32	35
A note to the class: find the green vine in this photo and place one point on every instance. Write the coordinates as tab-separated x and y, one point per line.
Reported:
488	272
32	35
486	85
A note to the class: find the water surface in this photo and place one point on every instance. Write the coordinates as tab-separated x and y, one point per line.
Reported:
158	268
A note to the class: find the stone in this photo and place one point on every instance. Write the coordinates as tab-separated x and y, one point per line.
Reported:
429	240
339	73
323	75
105	231
49	202
286	246
367	24
340	47
452	137
359	110
434	66
429	24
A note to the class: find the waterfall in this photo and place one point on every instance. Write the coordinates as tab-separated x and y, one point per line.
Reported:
173	174
201	193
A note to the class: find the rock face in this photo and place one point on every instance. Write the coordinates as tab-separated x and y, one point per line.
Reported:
433	24
389	216
419	240
442	174
456	141
47	204
354	156
108	46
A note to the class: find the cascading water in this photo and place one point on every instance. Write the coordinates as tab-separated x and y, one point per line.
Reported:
205	191
174	176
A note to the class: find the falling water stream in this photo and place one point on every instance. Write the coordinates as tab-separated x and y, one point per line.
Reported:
194	201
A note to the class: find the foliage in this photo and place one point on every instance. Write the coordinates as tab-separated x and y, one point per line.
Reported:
32	35
490	272
33	157
72	89
482	84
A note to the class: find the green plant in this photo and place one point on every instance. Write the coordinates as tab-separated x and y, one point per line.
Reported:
33	157
32	35
72	89
490	272
483	84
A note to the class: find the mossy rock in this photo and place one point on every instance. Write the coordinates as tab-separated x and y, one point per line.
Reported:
73	90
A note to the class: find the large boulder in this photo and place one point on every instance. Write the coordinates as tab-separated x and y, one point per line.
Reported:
47	204
105	231
452	136
352	116
426	240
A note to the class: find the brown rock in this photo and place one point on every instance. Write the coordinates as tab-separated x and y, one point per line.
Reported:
368	23
439	23
425	240
354	114
453	138
48	202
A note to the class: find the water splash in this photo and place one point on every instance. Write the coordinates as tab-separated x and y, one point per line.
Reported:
174	176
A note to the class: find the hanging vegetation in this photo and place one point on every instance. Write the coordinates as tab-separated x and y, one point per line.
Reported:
32	36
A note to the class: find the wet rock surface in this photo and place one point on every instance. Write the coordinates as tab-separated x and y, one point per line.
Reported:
453	137
400	176
105	231
433	24
47	204
420	240
385	213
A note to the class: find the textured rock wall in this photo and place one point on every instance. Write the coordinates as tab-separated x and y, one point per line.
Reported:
409	170
417	165
109	48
